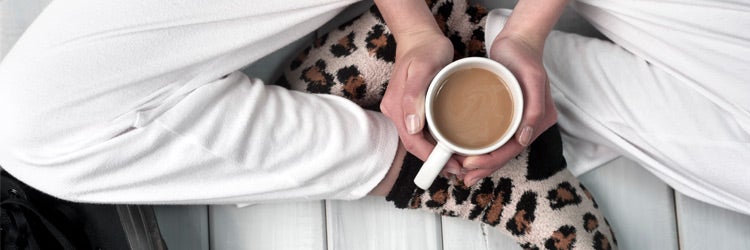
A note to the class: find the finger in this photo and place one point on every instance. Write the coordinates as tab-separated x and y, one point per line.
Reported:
534	92
550	113
452	168
459	158
413	111
417	144
495	159
473	176
390	105
419	74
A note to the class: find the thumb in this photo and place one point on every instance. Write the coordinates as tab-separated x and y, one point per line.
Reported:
413	107
418	78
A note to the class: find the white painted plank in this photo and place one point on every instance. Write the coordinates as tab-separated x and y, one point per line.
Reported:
183	227
704	226
498	241
280	226
639	206
374	224
460	234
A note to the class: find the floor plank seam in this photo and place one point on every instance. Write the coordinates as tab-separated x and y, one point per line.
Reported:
677	220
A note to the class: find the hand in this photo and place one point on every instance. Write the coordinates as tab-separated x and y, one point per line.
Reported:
524	59
419	56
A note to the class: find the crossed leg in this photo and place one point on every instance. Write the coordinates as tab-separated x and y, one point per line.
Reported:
534	199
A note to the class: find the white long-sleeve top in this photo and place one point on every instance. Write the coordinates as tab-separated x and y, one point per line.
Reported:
141	102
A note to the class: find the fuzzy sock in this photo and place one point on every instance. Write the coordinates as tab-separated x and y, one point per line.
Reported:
534	199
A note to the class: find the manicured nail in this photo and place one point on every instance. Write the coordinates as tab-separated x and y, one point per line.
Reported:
449	176
525	138
412	124
471	182
460	176
453	171
464	170
470	165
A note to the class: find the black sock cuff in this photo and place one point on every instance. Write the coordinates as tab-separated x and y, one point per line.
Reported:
404	188
546	155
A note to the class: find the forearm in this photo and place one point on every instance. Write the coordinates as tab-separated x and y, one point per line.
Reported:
406	18
532	20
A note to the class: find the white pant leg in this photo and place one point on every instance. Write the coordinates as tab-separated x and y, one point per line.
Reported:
704	43
612	101
696	54
141	101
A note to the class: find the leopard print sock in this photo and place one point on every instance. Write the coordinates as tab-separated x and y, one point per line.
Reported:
534	199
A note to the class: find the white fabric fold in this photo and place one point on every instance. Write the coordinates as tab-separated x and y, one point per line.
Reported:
670	93
142	102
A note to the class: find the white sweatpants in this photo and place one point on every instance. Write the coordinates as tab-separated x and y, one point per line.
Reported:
672	93
142	101
125	101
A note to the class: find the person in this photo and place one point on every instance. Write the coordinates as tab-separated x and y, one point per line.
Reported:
130	102
533	198
673	96
418	59
133	102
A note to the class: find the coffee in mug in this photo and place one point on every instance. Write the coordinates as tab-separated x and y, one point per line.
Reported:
472	107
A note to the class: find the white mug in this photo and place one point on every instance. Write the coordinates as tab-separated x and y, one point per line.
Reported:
445	148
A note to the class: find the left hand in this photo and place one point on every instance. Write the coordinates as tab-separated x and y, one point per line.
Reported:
524	60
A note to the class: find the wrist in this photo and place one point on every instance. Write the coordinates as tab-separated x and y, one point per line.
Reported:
530	41
408	19
532	20
417	37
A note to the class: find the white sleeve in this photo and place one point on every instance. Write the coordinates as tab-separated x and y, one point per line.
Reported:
141	102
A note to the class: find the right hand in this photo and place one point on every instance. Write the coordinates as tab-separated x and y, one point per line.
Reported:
524	59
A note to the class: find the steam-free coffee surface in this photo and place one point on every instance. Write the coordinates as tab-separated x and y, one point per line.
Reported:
472	108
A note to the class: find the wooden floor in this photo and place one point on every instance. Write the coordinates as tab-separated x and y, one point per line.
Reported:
645	212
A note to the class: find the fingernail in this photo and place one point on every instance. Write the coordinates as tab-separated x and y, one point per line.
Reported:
453	171
412	124
525	138
460	176
464	170
470	182
450	176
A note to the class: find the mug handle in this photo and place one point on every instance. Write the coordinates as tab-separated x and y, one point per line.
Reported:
431	168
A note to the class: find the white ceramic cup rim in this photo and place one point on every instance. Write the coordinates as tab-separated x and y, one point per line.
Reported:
489	65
